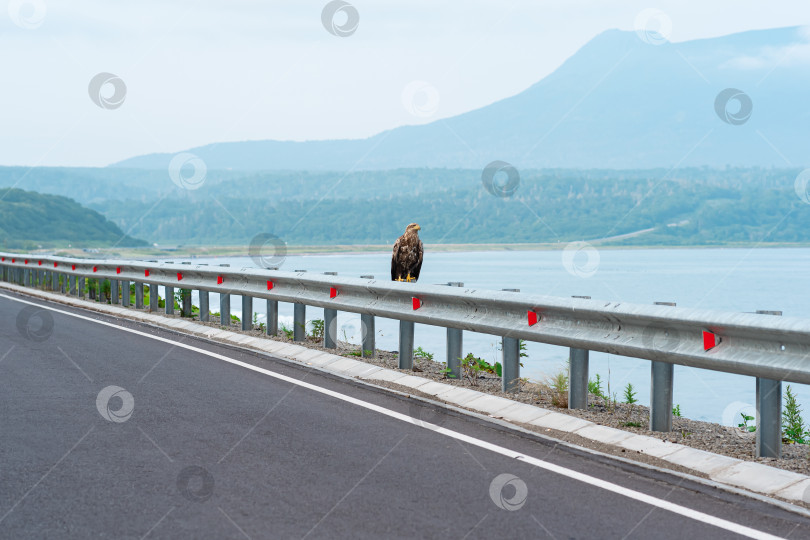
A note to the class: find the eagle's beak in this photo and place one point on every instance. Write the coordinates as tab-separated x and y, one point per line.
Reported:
418	228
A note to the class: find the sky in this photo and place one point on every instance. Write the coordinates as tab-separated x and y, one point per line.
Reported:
187	73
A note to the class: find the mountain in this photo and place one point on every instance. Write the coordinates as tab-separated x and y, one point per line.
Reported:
29	220
618	103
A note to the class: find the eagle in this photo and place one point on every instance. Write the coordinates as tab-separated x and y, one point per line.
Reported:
406	261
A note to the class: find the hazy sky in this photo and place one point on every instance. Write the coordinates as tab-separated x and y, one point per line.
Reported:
202	71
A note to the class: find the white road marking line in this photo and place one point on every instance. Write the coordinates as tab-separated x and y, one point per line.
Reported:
569	473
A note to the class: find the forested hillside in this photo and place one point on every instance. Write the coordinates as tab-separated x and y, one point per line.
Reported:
29	220
684	207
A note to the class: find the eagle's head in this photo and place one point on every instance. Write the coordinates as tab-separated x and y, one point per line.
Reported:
413	228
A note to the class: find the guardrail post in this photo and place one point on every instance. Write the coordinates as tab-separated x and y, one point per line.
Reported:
5	273
510	365
139	295
225	310
205	308
662	378
406	344
662	375
185	303
578	360
330	328
64	280
367	337
114	292
578	366
455	344
330	324
769	412
81	289
769	418
247	312
125	299
169	304
272	318
154	297
299	322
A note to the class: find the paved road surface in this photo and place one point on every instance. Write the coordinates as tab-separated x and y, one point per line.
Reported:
188	445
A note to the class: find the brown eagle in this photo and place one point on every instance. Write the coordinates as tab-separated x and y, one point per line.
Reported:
406	261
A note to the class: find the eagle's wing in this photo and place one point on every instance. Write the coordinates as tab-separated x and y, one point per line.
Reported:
395	263
419	255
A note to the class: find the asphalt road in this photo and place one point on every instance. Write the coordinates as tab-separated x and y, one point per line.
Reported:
188	445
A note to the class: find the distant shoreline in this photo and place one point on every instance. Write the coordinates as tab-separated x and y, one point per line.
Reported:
242	251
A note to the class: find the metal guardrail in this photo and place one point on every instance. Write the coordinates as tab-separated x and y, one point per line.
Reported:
772	349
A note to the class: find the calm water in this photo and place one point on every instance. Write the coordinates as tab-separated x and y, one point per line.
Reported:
724	279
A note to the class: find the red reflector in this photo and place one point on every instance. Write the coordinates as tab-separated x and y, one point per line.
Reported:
269	285
532	318
332	292
54	265
13	260
710	340
416	303
40	263
179	276
26	261
95	269
5	259
146	272
73	267
219	280
118	270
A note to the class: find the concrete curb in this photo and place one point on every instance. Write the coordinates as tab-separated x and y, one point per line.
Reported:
747	475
